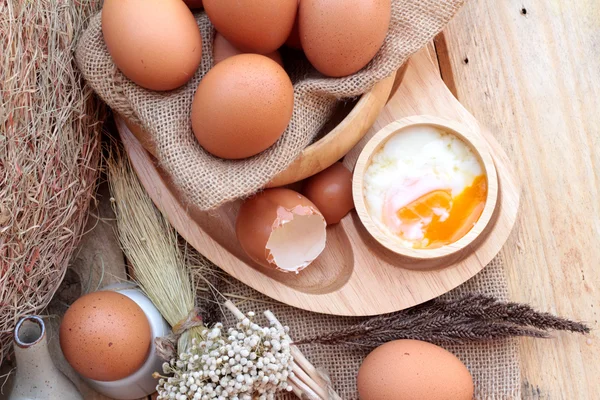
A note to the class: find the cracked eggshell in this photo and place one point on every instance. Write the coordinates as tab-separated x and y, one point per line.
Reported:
281	229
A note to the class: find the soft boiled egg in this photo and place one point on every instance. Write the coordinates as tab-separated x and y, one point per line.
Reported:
425	187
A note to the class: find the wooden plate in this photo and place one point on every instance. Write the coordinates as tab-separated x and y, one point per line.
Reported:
350	123
355	275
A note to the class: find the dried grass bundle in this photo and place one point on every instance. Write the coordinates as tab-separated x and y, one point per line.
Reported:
150	244
50	127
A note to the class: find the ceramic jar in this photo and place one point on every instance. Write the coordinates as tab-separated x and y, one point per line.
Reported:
37	377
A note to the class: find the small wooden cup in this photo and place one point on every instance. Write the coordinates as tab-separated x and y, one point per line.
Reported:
467	243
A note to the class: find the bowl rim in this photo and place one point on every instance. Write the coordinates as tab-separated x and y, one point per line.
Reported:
481	149
335	144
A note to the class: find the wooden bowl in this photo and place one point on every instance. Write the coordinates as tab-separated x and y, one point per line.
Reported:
481	149
350	124
342	138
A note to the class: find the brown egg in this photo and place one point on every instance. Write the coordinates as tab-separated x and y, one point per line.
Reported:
105	336
253	26
331	191
340	37
413	370
281	229
293	40
193	4
222	49
155	43
242	106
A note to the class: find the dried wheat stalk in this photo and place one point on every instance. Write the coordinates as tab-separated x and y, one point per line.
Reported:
472	318
150	244
50	127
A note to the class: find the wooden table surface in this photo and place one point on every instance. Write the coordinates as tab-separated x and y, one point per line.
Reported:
530	71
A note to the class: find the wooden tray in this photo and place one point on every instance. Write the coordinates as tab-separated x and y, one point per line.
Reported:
354	275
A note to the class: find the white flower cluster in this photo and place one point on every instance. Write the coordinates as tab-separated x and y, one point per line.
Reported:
249	362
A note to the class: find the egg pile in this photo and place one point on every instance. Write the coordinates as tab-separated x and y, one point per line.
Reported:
245	102
425	187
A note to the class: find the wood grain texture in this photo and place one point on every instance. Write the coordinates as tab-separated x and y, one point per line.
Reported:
469	242
530	70
354	275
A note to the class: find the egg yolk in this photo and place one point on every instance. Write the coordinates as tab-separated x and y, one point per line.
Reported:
444	219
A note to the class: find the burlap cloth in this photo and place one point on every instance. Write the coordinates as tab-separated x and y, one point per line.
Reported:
208	181
495	365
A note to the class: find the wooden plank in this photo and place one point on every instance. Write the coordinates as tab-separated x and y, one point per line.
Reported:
530	70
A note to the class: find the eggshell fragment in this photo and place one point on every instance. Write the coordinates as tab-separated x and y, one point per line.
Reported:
340	37
253	26
155	43
281	229
331	191
105	336
242	106
413	370
222	49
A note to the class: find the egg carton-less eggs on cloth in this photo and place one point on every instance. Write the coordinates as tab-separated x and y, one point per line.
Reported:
208	181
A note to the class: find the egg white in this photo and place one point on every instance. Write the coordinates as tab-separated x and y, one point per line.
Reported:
439	160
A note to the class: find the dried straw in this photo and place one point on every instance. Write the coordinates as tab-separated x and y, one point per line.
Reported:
50	127
150	244
472	318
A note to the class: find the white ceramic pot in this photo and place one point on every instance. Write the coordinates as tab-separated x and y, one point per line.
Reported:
140	383
37	378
